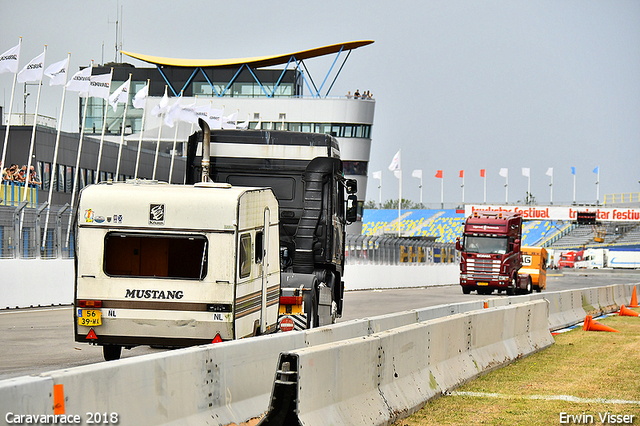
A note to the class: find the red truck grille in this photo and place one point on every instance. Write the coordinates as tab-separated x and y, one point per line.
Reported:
483	269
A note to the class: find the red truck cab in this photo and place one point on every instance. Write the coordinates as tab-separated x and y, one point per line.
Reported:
491	253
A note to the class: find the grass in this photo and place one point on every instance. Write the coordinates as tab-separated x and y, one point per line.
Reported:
584	364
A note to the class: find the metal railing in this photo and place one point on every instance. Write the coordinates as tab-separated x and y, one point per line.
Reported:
23	236
380	250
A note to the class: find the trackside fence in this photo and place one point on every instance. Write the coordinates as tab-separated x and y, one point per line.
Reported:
23	234
381	250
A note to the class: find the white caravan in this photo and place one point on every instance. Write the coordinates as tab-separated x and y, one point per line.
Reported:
175	265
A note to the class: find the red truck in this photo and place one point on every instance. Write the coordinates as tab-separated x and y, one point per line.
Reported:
569	259
490	254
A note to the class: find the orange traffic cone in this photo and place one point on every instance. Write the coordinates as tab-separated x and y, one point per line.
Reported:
591	325
486	305
634	299
627	312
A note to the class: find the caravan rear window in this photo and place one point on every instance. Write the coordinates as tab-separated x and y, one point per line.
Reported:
155	255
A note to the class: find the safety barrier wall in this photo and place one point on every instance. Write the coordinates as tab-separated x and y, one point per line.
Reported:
37	289
232	382
383	377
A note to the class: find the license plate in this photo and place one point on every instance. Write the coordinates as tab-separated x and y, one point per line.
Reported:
483	283
89	317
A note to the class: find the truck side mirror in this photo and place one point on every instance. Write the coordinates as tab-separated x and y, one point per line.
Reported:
352	208
458	244
516	245
351	185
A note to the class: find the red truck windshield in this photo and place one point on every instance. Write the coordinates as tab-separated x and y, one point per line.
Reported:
493	245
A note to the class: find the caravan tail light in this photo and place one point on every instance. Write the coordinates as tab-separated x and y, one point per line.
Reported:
90	303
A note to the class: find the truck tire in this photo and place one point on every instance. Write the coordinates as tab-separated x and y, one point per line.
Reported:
111	352
512	290
529	286
466	290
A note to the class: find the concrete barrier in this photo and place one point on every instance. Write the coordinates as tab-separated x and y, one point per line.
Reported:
26	283
383	377
367	277
232	382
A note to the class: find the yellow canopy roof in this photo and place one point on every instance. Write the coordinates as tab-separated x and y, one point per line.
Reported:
255	62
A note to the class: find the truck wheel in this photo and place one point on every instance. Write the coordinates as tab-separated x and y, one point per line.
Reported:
111	352
512	290
466	290
529	286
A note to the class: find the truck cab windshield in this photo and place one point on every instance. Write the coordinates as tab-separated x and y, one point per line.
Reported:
492	245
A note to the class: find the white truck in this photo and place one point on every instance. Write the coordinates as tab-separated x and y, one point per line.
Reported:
175	265
593	259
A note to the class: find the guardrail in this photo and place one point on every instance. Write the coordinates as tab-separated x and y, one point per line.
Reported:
233	382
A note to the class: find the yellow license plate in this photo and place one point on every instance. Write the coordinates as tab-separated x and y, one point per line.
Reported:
89	317
483	283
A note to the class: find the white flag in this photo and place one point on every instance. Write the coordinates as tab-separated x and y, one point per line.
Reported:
120	96
80	82
229	122
244	125
57	72
504	172
162	107
140	99
417	174
188	114
214	118
549	172
526	172
395	163
33	70
99	86
397	173
377	175
9	60
173	112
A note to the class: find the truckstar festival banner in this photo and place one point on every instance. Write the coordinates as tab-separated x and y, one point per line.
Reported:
603	214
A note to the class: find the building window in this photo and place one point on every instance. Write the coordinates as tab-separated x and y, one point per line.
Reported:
358	168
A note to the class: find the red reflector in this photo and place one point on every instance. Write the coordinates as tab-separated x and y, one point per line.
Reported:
217	339
91	335
291	300
89	303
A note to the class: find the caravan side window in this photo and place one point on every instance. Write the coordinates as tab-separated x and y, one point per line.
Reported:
155	255
245	255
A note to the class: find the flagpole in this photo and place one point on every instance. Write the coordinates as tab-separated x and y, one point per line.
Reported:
598	186
104	127
55	152
506	189
380	191
155	161
8	126
574	188
124	119
462	188
399	200
485	187
173	152
144	113
551	190
33	137
75	178
442	192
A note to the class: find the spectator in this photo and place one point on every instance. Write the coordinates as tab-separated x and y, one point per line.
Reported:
356	95
33	177
349	94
